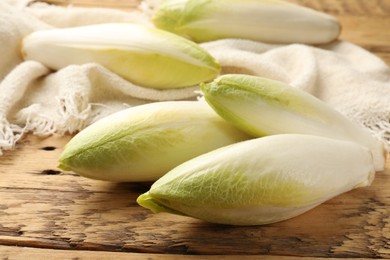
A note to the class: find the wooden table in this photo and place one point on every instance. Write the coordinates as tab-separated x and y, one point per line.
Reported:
49	214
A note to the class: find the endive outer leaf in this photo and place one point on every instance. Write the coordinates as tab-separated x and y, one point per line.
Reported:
143	55
143	143
262	180
261	106
262	20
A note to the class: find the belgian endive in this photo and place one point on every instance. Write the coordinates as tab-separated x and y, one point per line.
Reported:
143	55
261	106
142	143
262	180
272	21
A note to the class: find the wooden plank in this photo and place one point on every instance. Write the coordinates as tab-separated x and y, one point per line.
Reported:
48	213
367	31
44	207
23	253
372	8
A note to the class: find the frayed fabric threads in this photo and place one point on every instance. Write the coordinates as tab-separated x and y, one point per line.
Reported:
9	135
40	101
43	102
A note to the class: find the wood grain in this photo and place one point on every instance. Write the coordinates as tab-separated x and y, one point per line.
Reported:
23	253
44	207
48	213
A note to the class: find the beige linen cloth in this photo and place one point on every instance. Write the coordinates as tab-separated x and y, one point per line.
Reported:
44	102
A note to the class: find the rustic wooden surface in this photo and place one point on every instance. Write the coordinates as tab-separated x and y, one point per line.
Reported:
47	213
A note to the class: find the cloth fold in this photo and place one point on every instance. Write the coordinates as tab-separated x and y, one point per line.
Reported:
44	102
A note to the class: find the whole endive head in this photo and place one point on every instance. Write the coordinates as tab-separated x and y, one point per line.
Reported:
262	180
142	55
263	20
261	106
143	143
